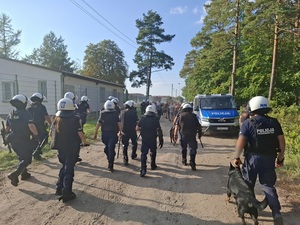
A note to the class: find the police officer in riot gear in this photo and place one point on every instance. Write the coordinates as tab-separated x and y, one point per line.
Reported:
74	98
83	109
110	124
188	126
21	125
68	136
263	141
129	120
116	102
149	128
40	115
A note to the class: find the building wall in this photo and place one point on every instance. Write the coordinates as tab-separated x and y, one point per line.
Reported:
22	78
96	91
25	80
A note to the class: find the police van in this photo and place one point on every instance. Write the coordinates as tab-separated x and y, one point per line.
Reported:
217	113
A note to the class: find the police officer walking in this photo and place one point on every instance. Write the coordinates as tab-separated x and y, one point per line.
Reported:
149	128
110	124
40	115
116	102
188	126
68	136
21	125
83	109
262	139
129	119
74	98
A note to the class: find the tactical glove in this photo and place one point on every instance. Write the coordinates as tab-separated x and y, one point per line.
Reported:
161	141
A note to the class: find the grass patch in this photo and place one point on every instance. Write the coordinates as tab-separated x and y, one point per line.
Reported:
290	120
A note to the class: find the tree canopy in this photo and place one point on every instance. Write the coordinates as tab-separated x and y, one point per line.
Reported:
207	67
105	61
9	38
147	56
52	53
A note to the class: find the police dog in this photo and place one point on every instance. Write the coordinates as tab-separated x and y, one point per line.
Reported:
244	196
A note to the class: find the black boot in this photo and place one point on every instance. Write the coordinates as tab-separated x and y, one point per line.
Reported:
153	164
143	171
111	167
184	162
58	191
133	154
67	195
25	175
14	180
193	164
125	160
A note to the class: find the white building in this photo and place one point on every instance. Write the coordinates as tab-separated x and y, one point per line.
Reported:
17	77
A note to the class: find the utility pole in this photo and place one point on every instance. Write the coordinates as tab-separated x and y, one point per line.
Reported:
178	89
172	90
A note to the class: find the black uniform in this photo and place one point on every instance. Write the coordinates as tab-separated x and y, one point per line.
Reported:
129	120
39	112
109	120
149	128
189	127
68	146
261	152
20	140
82	110
143	107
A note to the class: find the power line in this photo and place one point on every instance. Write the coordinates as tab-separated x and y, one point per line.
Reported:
108	21
99	22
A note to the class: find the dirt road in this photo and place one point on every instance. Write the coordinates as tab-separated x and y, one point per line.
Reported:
172	194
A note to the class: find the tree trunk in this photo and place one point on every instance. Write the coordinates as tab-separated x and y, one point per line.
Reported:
272	80
236	37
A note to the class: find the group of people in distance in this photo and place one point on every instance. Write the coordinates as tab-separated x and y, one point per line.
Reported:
261	138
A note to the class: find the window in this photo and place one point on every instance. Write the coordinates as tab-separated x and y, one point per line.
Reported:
9	90
42	87
102	94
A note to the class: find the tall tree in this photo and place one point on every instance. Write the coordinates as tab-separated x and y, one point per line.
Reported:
105	61
9	38
147	57
52	53
207	67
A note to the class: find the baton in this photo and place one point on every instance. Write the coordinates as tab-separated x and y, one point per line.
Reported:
119	145
201	143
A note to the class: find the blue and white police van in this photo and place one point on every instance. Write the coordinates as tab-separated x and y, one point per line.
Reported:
217	113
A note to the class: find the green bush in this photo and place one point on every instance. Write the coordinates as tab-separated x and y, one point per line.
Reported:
290	122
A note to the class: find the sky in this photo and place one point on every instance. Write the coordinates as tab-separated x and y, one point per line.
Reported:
81	22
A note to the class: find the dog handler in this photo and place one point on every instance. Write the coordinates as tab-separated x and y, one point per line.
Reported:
262	138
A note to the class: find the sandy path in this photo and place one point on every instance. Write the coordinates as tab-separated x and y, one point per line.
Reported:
172	194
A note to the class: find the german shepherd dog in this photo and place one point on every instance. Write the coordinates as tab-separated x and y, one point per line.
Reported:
244	196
